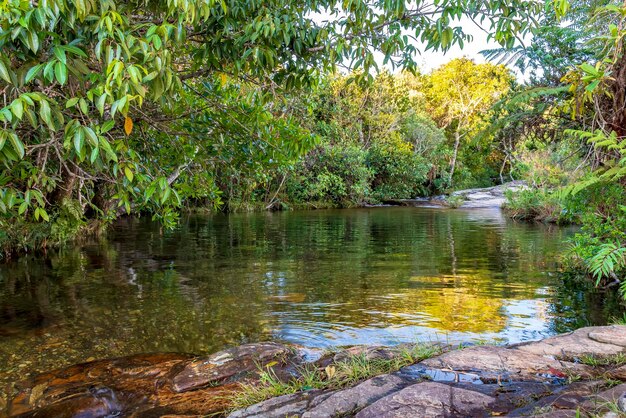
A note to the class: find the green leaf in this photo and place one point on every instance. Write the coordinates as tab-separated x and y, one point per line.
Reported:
22	208
71	102
4	71
18	146
17	107
107	126
589	69
91	136
83	106
79	140
129	174
33	72
60	72
44	214
45	114
166	195
74	50
94	155
100	103
60	54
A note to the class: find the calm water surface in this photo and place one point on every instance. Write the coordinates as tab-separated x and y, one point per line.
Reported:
316	278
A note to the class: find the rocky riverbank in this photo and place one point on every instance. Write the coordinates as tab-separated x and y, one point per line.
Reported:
577	374
481	198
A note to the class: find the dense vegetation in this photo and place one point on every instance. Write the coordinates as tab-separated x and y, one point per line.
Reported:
146	106
152	107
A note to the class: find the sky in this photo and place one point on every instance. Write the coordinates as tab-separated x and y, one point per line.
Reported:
429	60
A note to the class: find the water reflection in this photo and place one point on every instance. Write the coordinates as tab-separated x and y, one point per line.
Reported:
319	278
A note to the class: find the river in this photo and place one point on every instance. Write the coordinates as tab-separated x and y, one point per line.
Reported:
317	278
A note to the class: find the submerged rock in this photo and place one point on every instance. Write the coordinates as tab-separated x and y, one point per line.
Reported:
147	385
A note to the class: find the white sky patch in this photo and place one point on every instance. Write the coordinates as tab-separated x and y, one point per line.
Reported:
430	60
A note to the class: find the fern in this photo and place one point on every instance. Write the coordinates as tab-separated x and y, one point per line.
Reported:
609	259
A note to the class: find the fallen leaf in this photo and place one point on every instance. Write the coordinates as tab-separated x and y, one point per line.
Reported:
128	125
330	371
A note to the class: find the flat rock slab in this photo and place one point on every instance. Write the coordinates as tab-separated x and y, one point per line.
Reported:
614	335
430	399
228	364
504	364
483	203
146	385
596	341
563	398
292	405
488	197
352	399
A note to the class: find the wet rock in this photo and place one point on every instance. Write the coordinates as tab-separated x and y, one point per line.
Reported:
489	197
72	388
228	364
617	373
503	364
616	395
419	371
293	405
147	385
565	413
521	380
513	395
564	398
352	399
430	399
606	341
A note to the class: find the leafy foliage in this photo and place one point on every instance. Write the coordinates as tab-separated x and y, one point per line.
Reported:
122	106
459	96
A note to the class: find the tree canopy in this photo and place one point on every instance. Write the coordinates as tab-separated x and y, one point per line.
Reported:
112	106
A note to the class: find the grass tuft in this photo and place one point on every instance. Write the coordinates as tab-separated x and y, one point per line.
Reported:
595	361
339	375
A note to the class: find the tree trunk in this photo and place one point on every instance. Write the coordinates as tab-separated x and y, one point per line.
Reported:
457	141
65	188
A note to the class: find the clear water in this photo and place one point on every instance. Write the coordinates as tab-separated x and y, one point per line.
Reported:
316	278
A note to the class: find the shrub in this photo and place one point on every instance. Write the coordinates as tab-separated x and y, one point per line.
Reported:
537	205
336	174
599	248
398	173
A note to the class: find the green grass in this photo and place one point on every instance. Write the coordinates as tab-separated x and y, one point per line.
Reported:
339	375
606	406
455	201
619	320
595	361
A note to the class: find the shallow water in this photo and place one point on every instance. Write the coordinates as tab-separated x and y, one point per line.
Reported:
316	278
